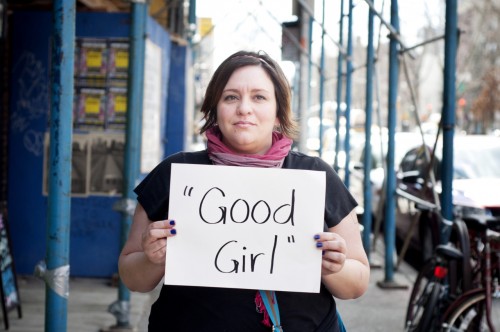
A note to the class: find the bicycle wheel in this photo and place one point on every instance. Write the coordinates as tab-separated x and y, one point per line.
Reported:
471	315
430	310
419	296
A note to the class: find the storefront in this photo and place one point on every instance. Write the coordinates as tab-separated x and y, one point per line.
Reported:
99	122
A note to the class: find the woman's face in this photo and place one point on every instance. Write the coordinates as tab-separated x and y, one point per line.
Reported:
247	111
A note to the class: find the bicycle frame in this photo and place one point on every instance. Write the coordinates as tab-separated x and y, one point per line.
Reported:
481	226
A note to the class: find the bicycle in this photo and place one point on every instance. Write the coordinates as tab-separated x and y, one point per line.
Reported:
472	311
442	279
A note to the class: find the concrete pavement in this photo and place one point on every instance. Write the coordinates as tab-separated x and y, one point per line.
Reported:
380	308
87	306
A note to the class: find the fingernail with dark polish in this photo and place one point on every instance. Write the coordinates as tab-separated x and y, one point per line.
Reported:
173	231
323	253
319	244
316	237
172	222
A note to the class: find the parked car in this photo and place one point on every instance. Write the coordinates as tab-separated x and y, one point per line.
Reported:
476	189
379	142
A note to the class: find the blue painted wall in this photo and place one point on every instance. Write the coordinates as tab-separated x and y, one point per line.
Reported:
176	115
95	226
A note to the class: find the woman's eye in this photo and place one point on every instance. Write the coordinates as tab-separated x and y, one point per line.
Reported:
230	97
260	97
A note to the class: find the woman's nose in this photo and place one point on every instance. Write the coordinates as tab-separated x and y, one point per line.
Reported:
245	106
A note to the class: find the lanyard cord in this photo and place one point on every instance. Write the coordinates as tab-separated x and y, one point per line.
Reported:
271	303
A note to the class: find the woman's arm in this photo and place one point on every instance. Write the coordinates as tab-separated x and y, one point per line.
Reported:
142	261
345	268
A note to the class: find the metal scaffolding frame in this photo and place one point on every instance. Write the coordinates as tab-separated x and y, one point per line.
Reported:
59	206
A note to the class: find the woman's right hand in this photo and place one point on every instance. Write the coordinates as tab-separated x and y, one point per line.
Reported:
154	240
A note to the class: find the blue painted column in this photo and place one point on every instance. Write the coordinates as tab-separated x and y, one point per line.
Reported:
192	18
310	61
348	97
192	28
367	157
59	193
133	138
448	113
390	206
322	80
340	78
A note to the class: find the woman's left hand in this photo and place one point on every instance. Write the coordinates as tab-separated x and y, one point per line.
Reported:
334	252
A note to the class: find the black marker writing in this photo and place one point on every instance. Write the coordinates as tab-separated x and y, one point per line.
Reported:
235	263
240	211
223	209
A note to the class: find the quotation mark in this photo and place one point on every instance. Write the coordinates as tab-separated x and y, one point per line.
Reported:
291	239
188	191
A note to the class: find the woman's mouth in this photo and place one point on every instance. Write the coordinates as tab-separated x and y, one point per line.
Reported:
243	124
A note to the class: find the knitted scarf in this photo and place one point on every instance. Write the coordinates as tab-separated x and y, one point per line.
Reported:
220	154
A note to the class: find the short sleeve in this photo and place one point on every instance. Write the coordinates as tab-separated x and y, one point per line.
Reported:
338	200
153	192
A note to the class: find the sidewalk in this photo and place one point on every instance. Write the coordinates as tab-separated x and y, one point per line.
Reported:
378	310
87	306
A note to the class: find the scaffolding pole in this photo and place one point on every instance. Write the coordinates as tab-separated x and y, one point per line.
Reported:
367	157
390	188
322	83
448	113
56	271
348	96
340	64
133	137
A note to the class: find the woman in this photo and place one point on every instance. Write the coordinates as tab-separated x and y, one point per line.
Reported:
248	123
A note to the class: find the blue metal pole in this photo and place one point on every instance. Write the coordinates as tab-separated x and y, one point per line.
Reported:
390	206
448	114
132	142
322	81
348	96
309	69
192	17
134	114
340	63
367	192
59	198
192	25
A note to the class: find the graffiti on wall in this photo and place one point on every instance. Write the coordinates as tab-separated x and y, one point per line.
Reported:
32	101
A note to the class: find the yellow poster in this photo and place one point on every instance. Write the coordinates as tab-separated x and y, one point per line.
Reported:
120	103
122	59
94	59
92	104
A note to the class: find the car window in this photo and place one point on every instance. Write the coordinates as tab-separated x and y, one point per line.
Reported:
479	161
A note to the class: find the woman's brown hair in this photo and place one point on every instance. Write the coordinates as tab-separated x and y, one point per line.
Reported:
288	125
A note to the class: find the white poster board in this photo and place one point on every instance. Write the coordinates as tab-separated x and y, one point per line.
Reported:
245	227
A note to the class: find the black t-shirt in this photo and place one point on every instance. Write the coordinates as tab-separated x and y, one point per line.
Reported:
186	308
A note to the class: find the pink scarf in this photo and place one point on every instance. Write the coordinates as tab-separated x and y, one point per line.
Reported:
220	154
